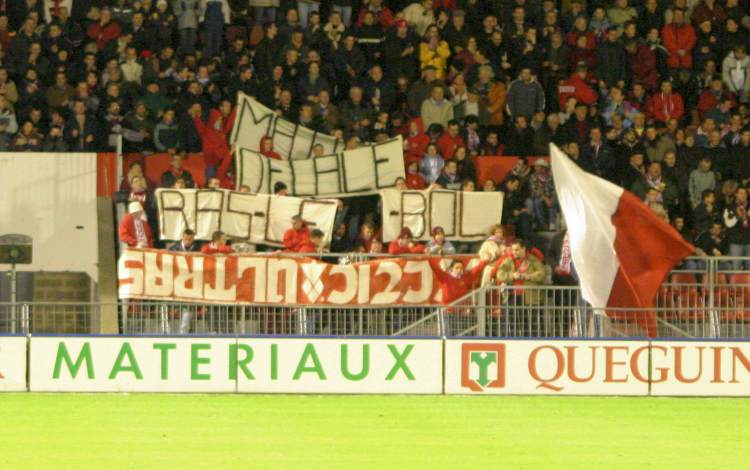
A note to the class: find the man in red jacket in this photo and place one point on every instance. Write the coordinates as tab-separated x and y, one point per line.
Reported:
450	140
679	40
105	31
666	104
298	236
134	230
218	245
214	137
578	87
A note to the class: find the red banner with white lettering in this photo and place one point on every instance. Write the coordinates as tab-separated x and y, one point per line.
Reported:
275	279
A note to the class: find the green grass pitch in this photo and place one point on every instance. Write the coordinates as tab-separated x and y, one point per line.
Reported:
283	431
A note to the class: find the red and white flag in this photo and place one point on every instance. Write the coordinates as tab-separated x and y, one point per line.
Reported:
621	250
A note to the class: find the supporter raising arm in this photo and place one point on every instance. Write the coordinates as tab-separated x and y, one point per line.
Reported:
214	136
456	282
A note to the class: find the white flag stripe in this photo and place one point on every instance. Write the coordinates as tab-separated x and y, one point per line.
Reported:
588	203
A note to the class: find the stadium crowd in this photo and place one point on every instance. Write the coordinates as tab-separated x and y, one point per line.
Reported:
651	95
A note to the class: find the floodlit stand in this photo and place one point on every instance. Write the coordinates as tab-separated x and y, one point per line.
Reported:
15	249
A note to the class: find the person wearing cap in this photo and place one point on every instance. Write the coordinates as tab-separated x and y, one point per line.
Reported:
297	236
134	230
438	245
400	52
405	244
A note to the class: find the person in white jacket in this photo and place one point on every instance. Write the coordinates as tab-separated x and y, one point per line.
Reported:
736	73
419	15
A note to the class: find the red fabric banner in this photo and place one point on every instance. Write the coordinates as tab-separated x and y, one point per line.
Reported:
275	279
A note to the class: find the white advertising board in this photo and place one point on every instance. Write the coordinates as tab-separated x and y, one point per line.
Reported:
538	367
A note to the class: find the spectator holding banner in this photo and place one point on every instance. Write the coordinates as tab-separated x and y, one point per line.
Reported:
298	236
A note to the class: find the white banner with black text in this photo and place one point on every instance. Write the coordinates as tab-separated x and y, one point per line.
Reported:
292	141
256	218
464	216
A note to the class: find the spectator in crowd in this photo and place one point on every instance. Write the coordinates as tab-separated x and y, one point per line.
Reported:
218	245
456	281
432	164
523	269
449	178
314	244
134	229
737	222
701	179
438	245
298	236
175	172
187	243
405	244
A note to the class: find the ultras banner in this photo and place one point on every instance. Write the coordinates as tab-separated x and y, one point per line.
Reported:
256	218
290	140
273	279
358	172
464	216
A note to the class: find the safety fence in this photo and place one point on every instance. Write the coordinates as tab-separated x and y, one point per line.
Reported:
709	299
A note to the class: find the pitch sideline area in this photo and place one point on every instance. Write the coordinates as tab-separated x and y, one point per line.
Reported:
265	431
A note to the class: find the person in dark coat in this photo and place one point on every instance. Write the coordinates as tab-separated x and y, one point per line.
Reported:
597	157
611	60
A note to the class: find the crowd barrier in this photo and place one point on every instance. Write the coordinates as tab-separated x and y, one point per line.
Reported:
463	366
708	301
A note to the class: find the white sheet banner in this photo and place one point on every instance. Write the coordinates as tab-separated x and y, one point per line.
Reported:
465	216
290	140
257	218
358	172
12	363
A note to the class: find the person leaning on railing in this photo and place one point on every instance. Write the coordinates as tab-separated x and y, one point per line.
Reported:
522	268
526	271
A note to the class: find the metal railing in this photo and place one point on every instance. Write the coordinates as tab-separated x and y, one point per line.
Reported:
709	300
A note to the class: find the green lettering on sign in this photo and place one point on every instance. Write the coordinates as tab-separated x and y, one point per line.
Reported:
364	370
196	360
165	348
274	362
73	367
235	364
483	362
309	354
132	366
400	362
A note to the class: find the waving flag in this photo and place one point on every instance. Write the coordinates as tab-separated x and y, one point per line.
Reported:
621	250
